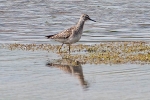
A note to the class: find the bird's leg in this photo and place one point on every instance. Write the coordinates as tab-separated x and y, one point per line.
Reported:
61	47
69	48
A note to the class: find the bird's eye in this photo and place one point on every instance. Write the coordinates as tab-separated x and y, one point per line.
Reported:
87	16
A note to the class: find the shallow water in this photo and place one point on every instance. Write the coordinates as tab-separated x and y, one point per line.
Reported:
37	75
41	75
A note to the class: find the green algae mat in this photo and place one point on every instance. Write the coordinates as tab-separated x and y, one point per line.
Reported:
102	53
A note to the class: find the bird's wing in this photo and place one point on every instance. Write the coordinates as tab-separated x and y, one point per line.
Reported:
64	34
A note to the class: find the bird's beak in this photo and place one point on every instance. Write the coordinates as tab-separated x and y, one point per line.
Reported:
92	20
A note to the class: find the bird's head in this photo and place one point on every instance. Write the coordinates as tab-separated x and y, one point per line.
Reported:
85	17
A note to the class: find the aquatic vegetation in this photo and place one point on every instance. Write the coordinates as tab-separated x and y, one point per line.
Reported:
102	53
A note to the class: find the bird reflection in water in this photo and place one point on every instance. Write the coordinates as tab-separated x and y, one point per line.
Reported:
71	67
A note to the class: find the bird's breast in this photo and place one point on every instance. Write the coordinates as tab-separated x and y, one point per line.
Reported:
75	37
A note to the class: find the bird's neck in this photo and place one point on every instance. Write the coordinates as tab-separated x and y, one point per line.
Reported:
80	24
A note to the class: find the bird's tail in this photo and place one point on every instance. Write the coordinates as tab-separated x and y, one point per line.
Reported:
49	36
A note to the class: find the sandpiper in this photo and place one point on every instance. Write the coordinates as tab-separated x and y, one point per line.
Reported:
71	35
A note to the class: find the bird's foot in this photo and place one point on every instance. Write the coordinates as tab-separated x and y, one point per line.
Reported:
60	52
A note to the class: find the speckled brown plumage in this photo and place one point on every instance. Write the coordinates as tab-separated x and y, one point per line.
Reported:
62	35
72	34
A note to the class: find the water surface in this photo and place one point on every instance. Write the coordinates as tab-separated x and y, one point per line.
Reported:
37	75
